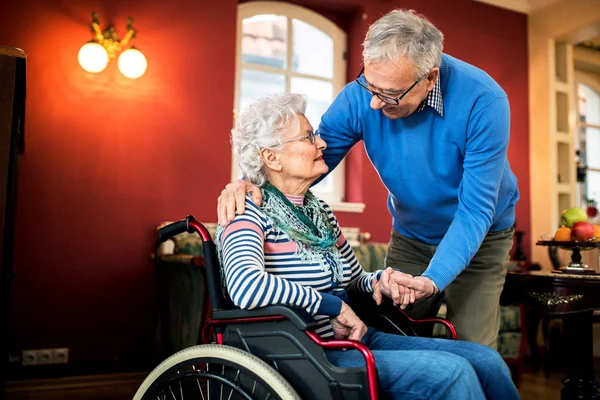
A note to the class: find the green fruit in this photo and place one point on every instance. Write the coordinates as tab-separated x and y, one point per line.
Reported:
573	215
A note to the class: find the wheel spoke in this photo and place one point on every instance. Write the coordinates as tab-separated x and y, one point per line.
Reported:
237	375
198	383
223	374
207	383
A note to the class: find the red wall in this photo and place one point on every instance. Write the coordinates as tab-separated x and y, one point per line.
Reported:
108	158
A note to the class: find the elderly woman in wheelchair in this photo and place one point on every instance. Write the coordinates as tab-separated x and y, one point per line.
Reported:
290	251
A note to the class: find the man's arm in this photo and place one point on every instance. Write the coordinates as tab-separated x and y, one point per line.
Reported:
340	127
484	162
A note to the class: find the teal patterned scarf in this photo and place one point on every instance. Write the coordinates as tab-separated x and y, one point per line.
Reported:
307	226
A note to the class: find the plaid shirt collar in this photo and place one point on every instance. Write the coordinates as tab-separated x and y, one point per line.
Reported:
434	99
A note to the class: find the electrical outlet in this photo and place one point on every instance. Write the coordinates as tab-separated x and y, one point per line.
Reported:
45	356
29	357
61	356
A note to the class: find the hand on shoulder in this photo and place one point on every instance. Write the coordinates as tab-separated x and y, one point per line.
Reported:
233	198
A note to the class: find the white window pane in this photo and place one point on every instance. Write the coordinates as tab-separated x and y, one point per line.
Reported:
257	84
312	50
592	147
264	40
592	183
589	107
319	94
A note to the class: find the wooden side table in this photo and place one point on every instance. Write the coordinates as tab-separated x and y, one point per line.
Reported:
572	298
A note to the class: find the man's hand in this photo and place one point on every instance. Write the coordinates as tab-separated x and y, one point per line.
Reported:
422	285
347	325
401	295
233	198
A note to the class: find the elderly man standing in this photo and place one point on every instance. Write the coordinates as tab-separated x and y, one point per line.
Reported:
436	130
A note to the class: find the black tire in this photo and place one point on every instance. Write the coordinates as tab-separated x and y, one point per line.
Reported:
226	371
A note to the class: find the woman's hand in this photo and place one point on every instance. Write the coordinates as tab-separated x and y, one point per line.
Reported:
233	198
347	325
401	295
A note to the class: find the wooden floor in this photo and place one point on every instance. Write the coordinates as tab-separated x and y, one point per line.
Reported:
533	386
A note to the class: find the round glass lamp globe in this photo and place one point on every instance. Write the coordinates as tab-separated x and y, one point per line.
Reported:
132	63
92	57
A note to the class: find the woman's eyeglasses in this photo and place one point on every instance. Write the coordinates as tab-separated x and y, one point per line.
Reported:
386	99
312	135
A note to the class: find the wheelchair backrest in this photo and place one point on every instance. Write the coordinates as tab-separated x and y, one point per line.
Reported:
219	299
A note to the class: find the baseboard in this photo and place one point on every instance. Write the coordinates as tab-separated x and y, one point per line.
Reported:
75	382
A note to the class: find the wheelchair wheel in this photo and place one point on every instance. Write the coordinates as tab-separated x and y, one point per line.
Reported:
214	372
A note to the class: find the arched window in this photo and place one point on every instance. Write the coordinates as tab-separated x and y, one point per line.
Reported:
287	48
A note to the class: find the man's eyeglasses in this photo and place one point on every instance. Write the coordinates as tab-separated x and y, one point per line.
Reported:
382	97
312	135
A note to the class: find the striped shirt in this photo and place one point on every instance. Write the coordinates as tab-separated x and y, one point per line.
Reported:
262	268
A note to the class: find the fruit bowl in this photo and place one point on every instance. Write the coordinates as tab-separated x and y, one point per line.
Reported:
576	246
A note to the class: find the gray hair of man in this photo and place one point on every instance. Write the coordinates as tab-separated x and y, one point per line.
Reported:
260	126
404	33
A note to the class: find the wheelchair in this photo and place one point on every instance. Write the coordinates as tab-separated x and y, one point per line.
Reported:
267	353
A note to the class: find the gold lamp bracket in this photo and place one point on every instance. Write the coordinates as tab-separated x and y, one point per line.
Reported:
109	38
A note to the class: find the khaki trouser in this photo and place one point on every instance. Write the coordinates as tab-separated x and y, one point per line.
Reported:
473	298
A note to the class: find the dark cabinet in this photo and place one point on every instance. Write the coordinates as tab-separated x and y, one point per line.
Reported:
12	144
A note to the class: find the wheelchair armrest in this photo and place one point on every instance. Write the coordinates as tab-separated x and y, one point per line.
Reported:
449	327
387	317
300	318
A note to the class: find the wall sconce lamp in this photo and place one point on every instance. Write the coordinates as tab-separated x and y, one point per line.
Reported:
95	55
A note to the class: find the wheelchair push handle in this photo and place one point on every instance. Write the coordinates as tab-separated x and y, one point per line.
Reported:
189	225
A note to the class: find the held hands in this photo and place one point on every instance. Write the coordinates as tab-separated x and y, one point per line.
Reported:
401	295
347	325
402	288
422	285
233	198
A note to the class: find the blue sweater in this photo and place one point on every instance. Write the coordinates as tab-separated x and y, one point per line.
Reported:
448	178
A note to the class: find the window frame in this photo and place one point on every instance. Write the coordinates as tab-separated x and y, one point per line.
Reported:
292	11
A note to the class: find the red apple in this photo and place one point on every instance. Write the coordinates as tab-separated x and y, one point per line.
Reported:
591	211
582	231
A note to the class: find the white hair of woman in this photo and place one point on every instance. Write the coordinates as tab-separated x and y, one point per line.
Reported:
404	33
259	126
